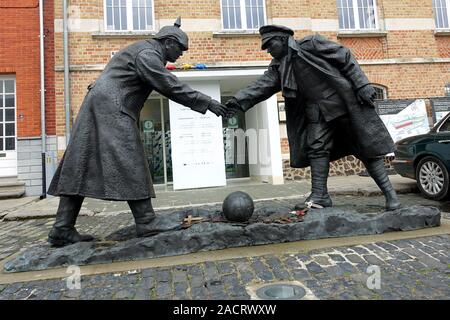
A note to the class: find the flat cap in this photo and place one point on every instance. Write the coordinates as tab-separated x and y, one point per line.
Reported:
174	32
269	31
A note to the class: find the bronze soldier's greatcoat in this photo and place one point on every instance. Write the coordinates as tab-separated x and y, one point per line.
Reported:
105	156
367	137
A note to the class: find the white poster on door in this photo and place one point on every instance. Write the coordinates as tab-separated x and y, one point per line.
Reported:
197	143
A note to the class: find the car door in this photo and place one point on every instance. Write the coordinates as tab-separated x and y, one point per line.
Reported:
441	145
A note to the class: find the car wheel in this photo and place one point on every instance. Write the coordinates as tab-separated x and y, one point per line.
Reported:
432	178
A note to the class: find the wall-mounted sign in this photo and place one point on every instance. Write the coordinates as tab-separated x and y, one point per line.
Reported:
197	143
148	126
403	118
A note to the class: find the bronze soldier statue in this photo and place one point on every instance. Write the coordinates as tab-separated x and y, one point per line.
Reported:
105	156
329	105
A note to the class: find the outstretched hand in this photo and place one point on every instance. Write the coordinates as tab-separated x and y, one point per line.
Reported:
232	107
217	108
366	95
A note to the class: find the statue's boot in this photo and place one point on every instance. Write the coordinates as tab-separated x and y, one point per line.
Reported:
319	196
63	231
144	217
379	174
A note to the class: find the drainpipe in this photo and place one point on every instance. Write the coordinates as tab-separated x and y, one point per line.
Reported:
42	72
66	72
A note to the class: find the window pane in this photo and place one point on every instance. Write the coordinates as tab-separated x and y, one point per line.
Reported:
1	86
366	13
116	18
149	18
1	101
116	3
346	15
1	114
225	21
1	143
135	18
108	3
123	21
9	115
232	19
10	143
9	100
142	18
238	14
109	18
1	129
9	86
10	129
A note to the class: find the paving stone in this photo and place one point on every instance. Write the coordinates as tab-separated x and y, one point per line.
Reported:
354	258
163	289
247	276
322	261
337	258
180	289
225	267
373	260
313	267
261	271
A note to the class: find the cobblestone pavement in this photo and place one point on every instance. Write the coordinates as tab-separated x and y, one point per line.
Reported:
409	269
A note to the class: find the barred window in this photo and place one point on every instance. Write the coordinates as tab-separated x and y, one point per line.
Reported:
447	90
243	14
441	10
357	14
129	15
381	92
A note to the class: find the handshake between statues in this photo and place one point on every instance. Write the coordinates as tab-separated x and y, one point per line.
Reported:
226	110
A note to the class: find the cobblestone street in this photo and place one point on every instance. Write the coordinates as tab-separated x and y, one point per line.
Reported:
409	268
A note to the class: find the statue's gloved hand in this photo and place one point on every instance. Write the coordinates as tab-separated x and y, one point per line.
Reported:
233	106
217	108
366	95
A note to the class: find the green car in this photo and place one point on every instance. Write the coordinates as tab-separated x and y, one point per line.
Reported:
426	159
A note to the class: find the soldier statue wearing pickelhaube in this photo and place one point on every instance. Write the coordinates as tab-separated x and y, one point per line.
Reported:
105	156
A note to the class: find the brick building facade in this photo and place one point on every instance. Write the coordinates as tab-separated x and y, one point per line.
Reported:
402	45
20	112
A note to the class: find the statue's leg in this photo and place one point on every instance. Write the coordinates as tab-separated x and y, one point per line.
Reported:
377	171
63	231
144	215
319	144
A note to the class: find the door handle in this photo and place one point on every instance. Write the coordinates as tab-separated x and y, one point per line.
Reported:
444	141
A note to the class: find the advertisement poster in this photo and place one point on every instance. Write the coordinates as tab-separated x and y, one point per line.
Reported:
197	144
403	118
440	107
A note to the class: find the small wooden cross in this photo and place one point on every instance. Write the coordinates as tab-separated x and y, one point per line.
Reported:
190	220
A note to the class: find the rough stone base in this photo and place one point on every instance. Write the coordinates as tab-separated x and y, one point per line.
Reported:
268	225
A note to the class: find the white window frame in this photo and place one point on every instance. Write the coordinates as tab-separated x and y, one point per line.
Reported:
129	8
447	2
243	17
5	78
356	16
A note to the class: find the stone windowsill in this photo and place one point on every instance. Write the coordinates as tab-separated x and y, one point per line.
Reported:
361	34
237	33
126	34
442	32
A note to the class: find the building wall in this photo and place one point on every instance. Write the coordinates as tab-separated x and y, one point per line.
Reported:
19	36
407	57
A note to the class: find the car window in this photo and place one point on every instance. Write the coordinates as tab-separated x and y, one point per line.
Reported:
445	126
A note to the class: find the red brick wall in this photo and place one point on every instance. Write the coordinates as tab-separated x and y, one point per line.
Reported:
19	55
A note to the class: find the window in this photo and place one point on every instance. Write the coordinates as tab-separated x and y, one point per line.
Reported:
129	15
447	90
381	92
357	14
243	14
441	10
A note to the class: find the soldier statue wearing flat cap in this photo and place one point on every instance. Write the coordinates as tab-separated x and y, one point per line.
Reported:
329	105
105	156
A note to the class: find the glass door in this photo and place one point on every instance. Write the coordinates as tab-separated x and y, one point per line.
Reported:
8	135
155	133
